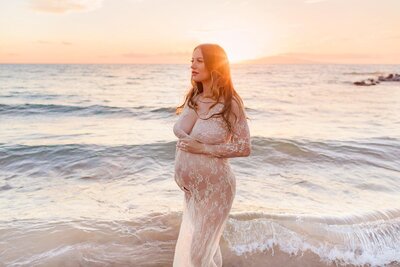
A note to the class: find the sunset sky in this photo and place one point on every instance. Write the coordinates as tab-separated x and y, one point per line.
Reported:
165	31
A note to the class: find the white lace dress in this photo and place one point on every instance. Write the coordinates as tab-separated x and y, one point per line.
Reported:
208	183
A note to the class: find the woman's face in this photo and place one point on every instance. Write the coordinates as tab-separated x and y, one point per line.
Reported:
199	71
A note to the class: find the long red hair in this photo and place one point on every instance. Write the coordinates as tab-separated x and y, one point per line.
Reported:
217	63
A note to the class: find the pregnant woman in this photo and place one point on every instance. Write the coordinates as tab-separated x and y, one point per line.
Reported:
211	128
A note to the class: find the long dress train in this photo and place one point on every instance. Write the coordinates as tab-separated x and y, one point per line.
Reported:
208	183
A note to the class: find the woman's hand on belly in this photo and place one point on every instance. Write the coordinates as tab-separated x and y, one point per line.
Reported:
190	145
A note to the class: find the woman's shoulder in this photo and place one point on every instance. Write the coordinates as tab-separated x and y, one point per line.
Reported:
237	107
236	104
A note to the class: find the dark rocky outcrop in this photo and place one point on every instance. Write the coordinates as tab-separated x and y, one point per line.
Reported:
393	77
390	78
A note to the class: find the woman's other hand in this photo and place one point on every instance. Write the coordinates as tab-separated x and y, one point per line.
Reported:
190	145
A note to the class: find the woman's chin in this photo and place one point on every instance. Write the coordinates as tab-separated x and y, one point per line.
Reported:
197	79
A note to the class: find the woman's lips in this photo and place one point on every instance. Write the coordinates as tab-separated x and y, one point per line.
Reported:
194	73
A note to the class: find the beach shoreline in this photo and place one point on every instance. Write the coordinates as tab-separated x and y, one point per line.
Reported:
277	258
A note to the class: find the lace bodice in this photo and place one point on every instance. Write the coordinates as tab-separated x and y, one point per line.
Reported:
213	131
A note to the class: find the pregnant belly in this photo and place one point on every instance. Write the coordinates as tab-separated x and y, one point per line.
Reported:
198	171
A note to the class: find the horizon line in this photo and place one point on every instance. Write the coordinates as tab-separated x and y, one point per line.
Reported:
161	63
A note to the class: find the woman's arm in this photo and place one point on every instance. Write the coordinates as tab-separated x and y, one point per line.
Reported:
239	145
185	123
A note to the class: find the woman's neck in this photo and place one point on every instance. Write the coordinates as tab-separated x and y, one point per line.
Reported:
207	89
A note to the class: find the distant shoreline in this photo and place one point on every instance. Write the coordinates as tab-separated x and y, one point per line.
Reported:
233	64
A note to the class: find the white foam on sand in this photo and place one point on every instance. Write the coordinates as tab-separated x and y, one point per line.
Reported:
344	240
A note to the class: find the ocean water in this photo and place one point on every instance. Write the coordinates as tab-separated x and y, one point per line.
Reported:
87	165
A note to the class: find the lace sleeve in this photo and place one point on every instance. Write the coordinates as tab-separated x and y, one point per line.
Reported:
239	144
185	122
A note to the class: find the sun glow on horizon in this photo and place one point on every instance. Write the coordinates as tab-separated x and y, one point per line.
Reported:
238	44
239	54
